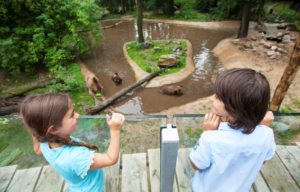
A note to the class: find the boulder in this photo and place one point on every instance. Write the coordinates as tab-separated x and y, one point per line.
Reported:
271	53
286	39
166	61
267	45
274	48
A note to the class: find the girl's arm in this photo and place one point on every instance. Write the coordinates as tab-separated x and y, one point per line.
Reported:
36	146
112	155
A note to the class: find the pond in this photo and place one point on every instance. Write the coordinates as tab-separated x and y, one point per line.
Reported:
108	58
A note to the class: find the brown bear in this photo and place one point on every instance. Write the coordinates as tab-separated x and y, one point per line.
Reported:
91	81
171	90
117	79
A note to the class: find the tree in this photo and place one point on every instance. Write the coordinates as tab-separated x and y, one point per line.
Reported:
36	34
244	26
287	77
139	7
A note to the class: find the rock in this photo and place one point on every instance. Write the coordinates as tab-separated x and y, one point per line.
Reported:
279	35
171	90
177	49
274	48
147	44
282	26
260	28
267	45
280	50
166	61
286	39
271	53
281	127
236	41
253	38
273	56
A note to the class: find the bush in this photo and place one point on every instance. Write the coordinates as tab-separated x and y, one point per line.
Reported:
45	33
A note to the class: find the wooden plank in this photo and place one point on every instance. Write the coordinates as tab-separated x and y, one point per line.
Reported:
184	170
6	174
134	173
154	170
49	180
112	177
260	184
290	155
24	179
277	177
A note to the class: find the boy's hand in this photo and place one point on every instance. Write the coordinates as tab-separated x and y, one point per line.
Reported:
115	121
268	119
211	122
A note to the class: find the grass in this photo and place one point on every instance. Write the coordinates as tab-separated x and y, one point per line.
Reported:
147	59
286	136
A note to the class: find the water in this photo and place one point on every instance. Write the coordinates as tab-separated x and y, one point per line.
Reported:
108	58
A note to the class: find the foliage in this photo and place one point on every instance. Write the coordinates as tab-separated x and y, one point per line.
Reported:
69	79
37	34
117	6
281	10
147	59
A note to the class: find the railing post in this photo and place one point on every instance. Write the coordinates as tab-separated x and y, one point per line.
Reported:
168	157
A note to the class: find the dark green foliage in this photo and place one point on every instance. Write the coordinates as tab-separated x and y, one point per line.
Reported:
45	33
117	6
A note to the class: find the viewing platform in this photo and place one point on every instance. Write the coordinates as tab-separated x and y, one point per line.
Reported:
140	172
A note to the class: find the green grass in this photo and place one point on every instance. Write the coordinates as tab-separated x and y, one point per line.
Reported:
147	59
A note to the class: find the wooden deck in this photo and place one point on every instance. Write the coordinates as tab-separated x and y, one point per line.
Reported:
140	173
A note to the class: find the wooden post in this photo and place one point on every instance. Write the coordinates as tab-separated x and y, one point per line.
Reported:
112	99
287	77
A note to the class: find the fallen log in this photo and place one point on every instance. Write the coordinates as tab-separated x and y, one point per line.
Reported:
116	96
9	93
9	110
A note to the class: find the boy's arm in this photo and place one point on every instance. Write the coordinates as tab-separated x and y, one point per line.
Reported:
112	155
268	119
36	146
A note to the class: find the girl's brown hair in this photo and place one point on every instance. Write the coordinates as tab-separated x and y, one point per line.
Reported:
39	112
246	95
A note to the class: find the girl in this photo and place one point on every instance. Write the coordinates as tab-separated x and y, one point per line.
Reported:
229	155
51	119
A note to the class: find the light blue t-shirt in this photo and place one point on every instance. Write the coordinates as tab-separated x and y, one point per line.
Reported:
230	160
73	163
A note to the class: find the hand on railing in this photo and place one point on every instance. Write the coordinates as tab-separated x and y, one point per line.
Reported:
211	122
268	119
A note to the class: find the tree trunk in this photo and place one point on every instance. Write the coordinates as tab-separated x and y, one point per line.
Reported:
244	26
139	7
110	100
287	77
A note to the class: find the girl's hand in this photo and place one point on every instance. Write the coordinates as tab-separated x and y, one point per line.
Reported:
268	119
211	122
115	122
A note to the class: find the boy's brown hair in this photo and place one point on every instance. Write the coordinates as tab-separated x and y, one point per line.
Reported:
245	94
